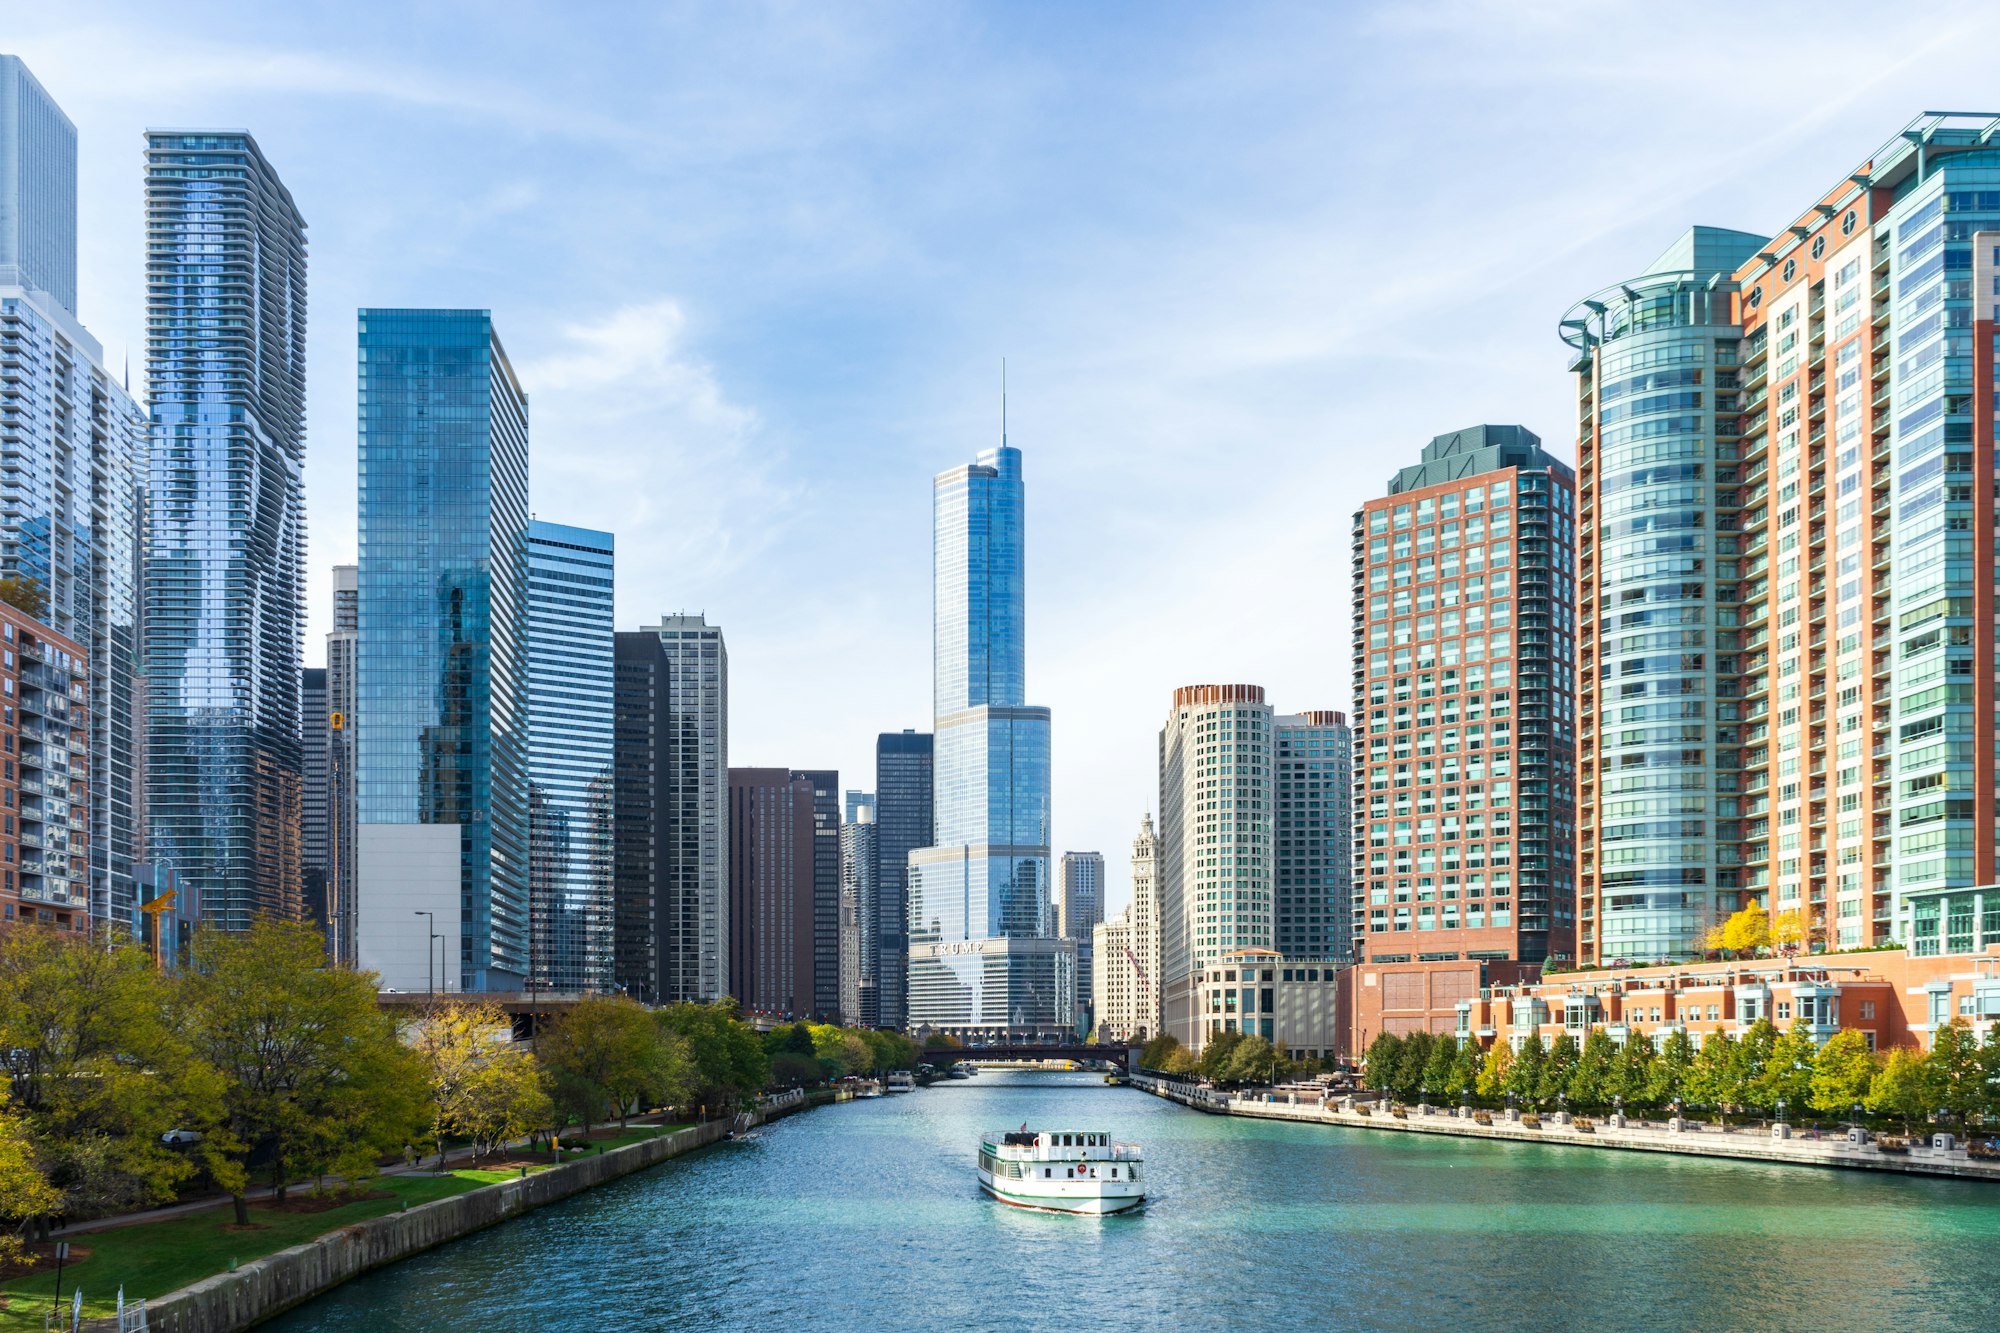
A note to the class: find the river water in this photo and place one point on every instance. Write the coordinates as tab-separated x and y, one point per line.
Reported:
867	1215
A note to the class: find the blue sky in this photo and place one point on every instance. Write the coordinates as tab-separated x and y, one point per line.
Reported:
758	265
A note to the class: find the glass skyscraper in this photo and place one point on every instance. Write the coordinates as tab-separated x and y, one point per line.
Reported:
570	633
903	767
442	736
224	594
983	948
75	449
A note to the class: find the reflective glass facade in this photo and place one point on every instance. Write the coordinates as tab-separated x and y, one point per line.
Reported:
692	887
903	770
987	874
1312	775
37	188
223	580
443	526
570	786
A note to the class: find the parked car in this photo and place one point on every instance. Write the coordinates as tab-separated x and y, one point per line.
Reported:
181	1138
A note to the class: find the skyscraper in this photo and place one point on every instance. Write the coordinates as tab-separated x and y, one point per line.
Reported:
648	924
772	890
70	493
441	733
1463	653
692	891
984	955
1214	841
1125	961
224	594
860	853
570	629
315	799
1312	779
826	891
903	774
1778	409
1079	897
342	683
37	188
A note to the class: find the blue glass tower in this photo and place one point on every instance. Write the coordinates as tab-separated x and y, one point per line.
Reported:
223	589
441	732
571	632
982	952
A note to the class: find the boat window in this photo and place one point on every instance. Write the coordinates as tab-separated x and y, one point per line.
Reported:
1114	1173
1047	1172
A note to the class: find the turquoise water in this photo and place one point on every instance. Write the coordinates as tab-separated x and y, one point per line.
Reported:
867	1215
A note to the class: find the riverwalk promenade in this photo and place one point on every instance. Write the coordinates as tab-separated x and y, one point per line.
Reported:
1943	1156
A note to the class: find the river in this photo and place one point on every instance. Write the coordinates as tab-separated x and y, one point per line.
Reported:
866	1215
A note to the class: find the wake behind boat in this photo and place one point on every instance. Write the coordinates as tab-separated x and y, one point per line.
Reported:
1061	1172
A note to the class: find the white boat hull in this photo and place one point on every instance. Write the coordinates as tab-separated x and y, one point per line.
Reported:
1093	1197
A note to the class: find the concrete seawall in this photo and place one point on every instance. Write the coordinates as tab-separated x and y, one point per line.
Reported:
1691	1139
269	1286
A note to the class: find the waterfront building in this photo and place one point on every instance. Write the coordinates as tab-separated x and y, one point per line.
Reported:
45	787
984	953
70	494
692	884
1832	375
223	581
1079	896
1293	1003
570	718
315	803
903	820
342	684
860	850
1464	655
441	732
1892	997
772	891
1114	982
1312	788
37	189
650	923
1142	913
1214	841
825	998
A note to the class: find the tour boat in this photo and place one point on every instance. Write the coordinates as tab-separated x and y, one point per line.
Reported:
901	1080
868	1088
1060	1172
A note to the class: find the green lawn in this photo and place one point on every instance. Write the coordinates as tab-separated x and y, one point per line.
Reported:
153	1258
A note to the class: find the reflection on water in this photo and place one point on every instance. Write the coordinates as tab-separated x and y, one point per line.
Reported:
868	1214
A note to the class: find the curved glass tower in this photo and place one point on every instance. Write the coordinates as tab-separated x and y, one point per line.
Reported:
1657	395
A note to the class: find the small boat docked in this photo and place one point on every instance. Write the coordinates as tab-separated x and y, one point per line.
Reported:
868	1088
1061	1171
901	1080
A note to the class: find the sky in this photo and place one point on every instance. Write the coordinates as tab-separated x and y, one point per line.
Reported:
758	266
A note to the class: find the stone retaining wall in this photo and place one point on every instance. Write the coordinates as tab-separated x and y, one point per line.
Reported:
1690	1139
269	1286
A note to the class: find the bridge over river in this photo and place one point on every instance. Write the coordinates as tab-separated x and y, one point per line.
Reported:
1024	1052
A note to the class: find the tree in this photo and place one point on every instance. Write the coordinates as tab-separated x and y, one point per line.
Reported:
1989	1074
1559	1071
25	1193
1410	1064
1791	932
1630	1081
1155	1052
1715	1078
313	1076
1956	1070
1670	1069
1753	1057
727	1062
506	1098
1747	930
1437	1070
25	594
841	1051
1465	1066
455	1042
101	1068
1590	1084
1216	1053
1788	1073
1253	1060
1378	1068
1491	1085
1843	1073
607	1055
1524	1079
789	1070
1906	1087
1181	1063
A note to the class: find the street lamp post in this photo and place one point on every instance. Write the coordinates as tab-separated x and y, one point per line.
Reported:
430	955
